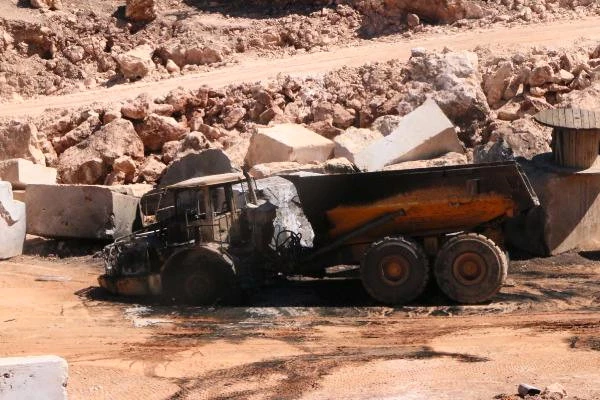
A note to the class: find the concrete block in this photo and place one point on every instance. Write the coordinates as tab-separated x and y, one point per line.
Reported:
33	378
288	142
423	134
569	216
79	211
12	223
20	173
353	141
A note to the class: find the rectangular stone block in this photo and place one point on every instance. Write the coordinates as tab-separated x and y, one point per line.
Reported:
20	173
12	223
33	378
79	211
288	142
569	216
423	134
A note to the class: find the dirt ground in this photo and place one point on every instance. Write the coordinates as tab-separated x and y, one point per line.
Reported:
309	339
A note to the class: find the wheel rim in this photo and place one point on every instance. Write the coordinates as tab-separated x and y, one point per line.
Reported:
469	268
395	269
198	287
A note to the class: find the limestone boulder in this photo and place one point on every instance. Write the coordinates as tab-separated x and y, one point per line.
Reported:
156	130
386	124
570	210
353	141
46	4
425	133
12	223
587	99
79	211
20	173
77	134
137	63
138	108
455	80
523	136
126	166
541	73
140	10
201	55
343	117
496	83
88	162
233	116
288	142
21	140
152	170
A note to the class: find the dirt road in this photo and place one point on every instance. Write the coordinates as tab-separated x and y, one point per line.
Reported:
309	340
249	70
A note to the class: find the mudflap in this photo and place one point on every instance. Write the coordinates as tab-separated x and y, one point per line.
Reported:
148	285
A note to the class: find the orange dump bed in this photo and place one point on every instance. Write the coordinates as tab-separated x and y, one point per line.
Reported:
433	200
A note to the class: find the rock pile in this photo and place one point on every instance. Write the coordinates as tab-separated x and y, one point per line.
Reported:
75	48
490	98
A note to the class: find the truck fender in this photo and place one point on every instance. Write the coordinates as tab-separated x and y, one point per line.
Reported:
196	255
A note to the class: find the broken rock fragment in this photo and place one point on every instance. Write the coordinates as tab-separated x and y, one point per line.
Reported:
140	10
88	162
137	63
21	140
156	130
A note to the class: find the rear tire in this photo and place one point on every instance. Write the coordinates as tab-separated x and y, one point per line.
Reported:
395	270
199	280
470	268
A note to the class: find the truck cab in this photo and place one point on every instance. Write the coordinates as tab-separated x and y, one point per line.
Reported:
188	224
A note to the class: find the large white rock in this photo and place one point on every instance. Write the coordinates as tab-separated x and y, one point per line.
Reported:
33	378
136	63
21	140
423	134
353	141
79	211
12	225
569	216
288	142
20	173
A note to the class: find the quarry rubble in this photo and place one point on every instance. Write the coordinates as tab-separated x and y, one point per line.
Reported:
490	98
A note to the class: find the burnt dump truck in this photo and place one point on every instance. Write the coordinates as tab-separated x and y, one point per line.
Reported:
214	237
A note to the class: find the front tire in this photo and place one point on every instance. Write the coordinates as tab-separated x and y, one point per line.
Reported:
470	268
199	281
395	270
